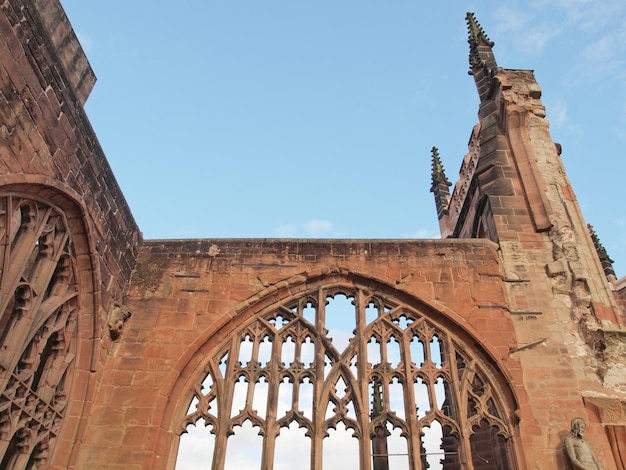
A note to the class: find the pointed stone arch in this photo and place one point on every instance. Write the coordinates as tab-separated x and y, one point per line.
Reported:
49	325
476	394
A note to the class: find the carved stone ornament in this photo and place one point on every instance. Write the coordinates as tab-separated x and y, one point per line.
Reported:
38	314
397	372
119	315
578	450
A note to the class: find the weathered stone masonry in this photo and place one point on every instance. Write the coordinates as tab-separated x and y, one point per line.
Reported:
106	338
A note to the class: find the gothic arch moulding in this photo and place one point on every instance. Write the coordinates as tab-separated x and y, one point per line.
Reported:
47	324
347	352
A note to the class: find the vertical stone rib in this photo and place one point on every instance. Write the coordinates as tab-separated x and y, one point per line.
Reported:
271	426
534	185
363	381
226	403
318	413
410	407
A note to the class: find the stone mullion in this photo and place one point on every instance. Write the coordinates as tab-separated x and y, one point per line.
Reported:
384	338
430	386
252	379
410	408
6	253
385	371
318	385
363	381
254	355
17	337
44	268
224	406
42	333
297	358
460	406
21	250
43	313
52	388
59	363
21	460
271	426
15	265
295	392
430	370
251	370
297	352
427	337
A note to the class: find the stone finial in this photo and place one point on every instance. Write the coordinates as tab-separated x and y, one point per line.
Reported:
118	317
440	185
481	54
482	62
605	260
438	173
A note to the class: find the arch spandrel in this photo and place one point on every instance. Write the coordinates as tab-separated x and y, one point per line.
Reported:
424	322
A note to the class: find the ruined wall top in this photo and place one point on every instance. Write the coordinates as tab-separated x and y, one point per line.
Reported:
71	54
49	147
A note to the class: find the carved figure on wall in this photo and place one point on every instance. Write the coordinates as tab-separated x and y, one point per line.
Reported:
119	315
578	450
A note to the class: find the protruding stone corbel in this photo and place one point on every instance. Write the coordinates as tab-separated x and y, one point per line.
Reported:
118	317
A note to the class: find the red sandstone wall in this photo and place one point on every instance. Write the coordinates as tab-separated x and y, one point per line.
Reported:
184	291
517	300
49	150
47	143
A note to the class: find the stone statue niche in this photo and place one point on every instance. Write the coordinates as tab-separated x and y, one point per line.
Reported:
578	450
118	317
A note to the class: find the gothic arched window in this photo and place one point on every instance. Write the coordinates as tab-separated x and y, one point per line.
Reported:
38	309
299	382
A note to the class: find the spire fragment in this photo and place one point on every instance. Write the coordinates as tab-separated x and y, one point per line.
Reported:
482	62
438	173
481	54
605	260
440	185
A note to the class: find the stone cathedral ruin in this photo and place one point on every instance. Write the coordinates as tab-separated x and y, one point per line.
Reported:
485	344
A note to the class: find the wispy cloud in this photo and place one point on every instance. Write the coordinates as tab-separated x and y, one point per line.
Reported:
529	35
605	56
510	19
533	27
584	14
425	233
620	130
85	41
559	117
318	227
558	113
314	228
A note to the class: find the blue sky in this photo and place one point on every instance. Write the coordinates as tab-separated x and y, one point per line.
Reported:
316	119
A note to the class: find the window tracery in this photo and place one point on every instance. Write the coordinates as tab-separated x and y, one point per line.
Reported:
379	368
38	308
